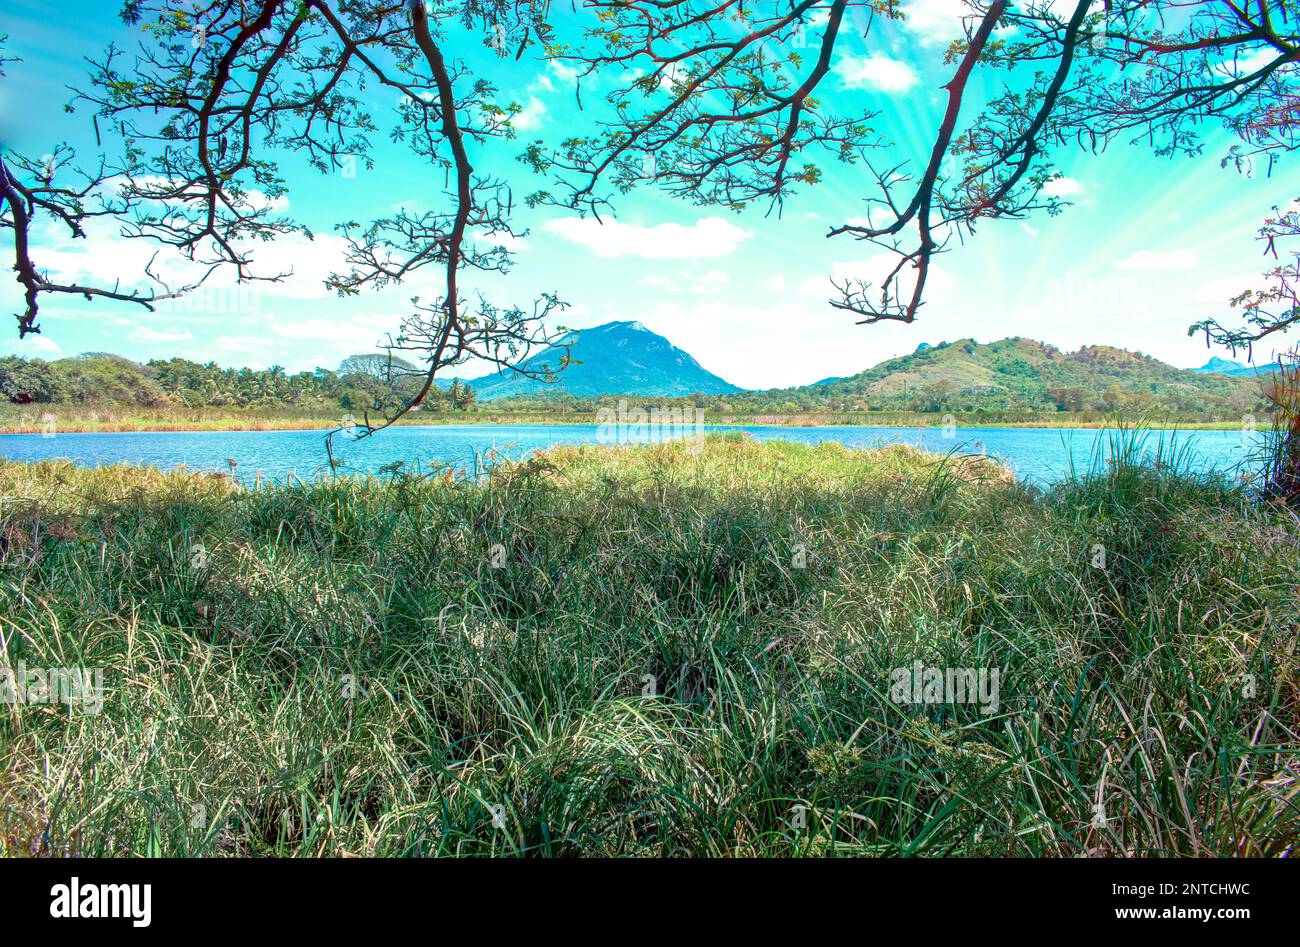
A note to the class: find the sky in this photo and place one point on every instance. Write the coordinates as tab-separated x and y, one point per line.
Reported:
1148	246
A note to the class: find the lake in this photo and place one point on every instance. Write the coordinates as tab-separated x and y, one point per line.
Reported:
1035	454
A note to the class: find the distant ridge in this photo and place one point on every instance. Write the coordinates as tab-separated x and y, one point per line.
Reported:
1007	376
1223	366
1014	374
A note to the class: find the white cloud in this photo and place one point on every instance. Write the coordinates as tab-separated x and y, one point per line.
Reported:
1217	292
309	261
1063	187
299	344
1158	260
1248	64
359	331
819	18
532	116
875	72
563	71
705	284
105	258
702	284
936	21
260	201
33	346
668	77
655	281
239	343
707	237
147	335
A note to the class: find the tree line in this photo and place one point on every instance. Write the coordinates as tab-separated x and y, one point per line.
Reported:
362	383
380	382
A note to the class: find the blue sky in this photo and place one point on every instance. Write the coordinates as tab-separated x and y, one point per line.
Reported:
1149	246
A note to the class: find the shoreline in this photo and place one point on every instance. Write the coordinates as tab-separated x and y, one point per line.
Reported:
247	425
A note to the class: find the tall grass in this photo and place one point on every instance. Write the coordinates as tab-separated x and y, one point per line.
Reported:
681	653
1282	444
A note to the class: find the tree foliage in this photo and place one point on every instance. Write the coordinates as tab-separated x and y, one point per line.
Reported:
725	102
719	102
218	92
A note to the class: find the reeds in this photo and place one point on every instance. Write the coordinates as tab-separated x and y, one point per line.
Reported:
1282	443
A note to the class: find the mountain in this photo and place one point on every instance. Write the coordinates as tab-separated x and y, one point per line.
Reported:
614	358
1220	366
1016	374
1223	366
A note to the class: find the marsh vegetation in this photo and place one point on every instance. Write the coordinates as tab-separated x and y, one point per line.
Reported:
653	650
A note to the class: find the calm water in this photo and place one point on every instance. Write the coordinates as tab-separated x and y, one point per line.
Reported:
1035	454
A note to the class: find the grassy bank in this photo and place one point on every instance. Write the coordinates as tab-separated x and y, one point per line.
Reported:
652	651
34	419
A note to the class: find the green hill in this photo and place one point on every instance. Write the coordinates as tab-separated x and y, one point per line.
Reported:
1023	374
1009	380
